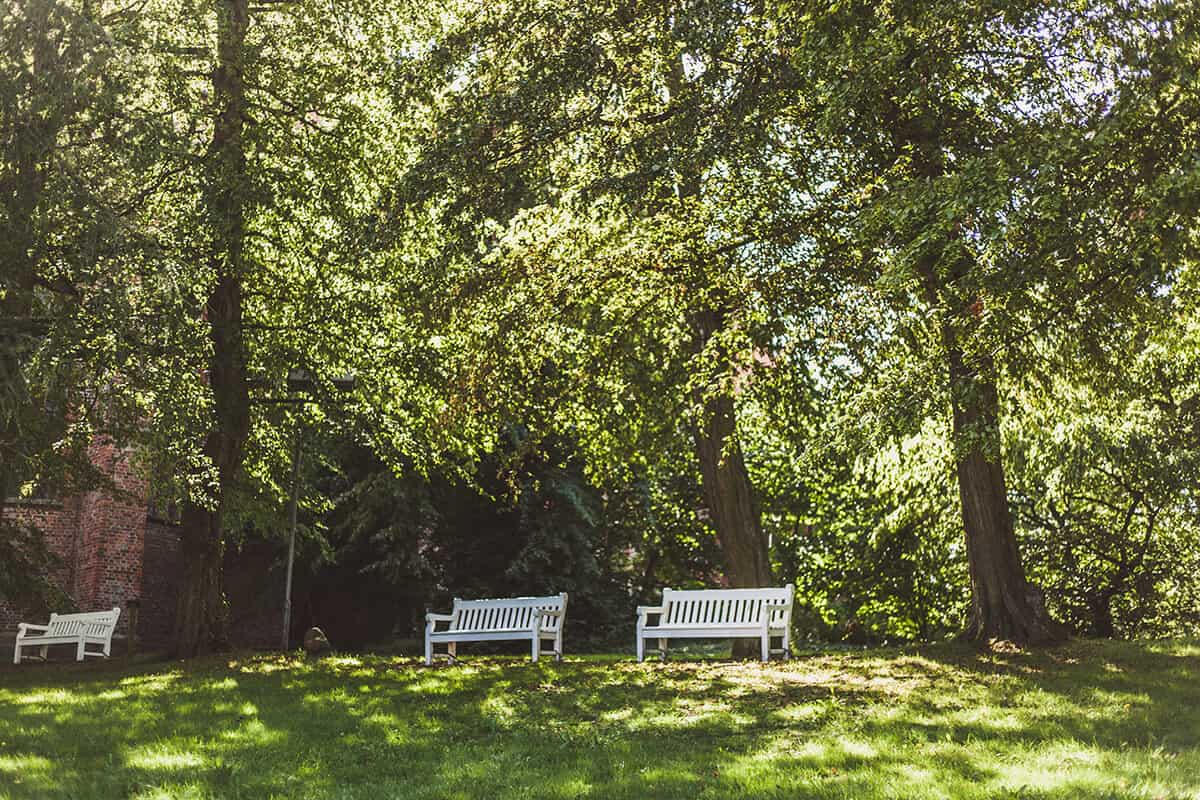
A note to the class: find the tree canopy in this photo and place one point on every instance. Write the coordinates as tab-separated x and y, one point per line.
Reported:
893	301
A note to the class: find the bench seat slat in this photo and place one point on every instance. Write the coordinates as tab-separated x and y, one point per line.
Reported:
467	632
30	641
709	631
40	639
488	636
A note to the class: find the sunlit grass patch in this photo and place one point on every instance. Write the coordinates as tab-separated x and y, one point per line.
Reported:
1089	720
49	697
163	757
24	764
149	683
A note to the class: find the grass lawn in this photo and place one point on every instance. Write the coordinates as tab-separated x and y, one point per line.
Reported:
1088	720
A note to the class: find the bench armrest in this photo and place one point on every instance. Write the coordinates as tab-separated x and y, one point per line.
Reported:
542	613
769	608
646	611
431	620
25	627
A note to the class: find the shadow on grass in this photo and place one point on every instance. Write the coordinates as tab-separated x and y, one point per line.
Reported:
1090	721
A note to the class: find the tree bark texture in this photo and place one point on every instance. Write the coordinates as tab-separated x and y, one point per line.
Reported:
729	495
1004	605
200	614
1100	606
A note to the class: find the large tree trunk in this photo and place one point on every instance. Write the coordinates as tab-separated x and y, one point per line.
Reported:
1004	605
200	619
729	495
200	613
1100	606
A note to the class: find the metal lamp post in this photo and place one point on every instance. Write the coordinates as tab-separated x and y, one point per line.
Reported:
299	380
291	556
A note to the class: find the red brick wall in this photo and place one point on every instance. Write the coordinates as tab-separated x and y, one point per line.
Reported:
112	533
59	523
98	538
111	553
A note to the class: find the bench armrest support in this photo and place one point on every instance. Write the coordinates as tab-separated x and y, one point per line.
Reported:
431	620
542	613
644	612
768	610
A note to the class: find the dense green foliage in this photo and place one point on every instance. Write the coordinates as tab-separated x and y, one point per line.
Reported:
1091	721
901	297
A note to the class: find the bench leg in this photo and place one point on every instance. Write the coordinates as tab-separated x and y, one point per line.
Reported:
558	648
662	649
80	650
451	650
537	647
641	646
766	648
17	652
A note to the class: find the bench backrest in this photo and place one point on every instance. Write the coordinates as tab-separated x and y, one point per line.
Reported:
505	613
94	624
707	607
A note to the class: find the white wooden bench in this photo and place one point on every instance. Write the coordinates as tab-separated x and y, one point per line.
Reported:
81	630
760	614
537	619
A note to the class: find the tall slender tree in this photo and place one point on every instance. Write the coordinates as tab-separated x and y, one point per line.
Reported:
281	212
984	151
199	623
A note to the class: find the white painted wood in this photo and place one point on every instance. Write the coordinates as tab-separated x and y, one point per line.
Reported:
538	619
81	630
761	614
